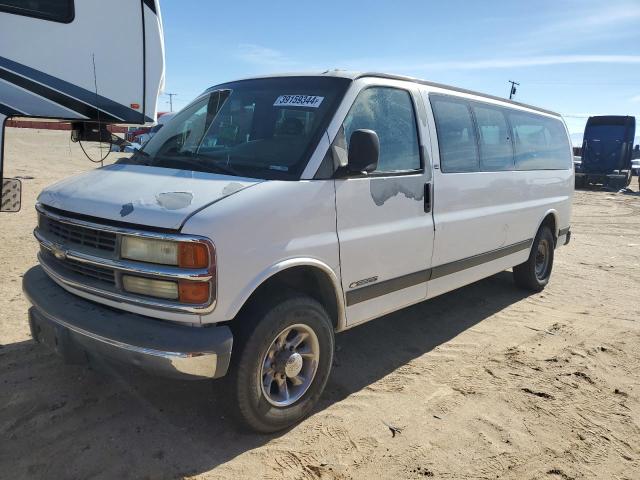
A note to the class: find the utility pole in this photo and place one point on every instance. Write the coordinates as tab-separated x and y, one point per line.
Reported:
513	90
171	95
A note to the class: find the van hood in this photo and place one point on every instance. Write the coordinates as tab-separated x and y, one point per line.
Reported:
142	195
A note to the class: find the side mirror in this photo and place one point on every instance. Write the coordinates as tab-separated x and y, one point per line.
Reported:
364	150
10	195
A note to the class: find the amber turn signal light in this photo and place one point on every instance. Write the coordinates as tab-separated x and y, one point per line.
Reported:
193	292
193	255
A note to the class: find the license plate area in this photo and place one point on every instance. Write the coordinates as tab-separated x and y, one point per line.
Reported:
56	338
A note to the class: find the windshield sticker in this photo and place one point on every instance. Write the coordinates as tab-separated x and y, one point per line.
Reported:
279	168
312	101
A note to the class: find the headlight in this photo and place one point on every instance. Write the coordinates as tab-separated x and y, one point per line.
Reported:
149	286
188	254
165	252
150	250
185	291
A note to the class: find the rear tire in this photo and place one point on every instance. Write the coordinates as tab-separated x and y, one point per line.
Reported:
534	274
282	364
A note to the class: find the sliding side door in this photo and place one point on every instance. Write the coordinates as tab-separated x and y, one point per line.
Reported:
478	198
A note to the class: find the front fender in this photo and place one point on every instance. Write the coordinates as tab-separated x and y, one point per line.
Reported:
244	295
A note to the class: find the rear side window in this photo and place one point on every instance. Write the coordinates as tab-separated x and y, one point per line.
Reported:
540	142
494	137
389	113
456	135
54	10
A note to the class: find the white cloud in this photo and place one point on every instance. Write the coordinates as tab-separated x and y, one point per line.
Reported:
534	61
270	58
593	23
636	98
581	115
597	18
263	56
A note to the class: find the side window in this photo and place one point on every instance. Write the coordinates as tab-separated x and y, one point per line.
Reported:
496	151
54	10
456	135
389	113
541	142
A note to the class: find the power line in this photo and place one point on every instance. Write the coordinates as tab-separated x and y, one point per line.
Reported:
575	84
171	95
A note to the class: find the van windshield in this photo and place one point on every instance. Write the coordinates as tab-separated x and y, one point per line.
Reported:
261	128
611	133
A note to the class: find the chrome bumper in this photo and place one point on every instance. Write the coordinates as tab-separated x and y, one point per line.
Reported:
81	331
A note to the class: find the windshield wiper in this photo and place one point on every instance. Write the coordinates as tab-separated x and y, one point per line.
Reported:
138	158
198	163
225	168
220	164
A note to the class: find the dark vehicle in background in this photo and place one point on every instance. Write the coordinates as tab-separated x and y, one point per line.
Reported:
606	152
635	161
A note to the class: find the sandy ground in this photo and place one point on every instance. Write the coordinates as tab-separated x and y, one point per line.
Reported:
484	382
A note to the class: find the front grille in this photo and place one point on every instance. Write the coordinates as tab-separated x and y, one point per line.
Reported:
101	274
86	237
84	256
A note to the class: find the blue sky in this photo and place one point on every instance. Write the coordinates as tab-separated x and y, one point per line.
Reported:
577	57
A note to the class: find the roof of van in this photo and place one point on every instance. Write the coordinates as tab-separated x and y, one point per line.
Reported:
353	75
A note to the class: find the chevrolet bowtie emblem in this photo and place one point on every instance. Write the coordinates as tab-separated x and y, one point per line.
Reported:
59	252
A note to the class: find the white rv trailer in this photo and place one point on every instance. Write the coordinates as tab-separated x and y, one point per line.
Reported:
56	62
272	212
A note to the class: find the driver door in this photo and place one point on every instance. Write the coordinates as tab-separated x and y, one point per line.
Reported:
384	221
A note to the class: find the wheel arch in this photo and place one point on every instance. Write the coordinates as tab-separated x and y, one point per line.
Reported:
305	275
551	219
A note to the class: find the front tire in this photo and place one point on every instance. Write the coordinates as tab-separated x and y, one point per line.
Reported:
283	364
534	274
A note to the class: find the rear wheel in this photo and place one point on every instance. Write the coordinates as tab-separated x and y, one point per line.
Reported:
283	363
534	274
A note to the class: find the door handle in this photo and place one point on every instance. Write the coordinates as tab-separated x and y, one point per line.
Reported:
427	197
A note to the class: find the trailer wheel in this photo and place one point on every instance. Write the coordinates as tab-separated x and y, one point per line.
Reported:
283	363
534	274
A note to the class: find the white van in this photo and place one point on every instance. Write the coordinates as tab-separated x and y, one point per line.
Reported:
273	212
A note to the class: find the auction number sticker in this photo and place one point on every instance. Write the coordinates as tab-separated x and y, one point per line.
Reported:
312	101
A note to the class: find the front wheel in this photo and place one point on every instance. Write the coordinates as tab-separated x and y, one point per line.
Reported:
284	361
535	272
